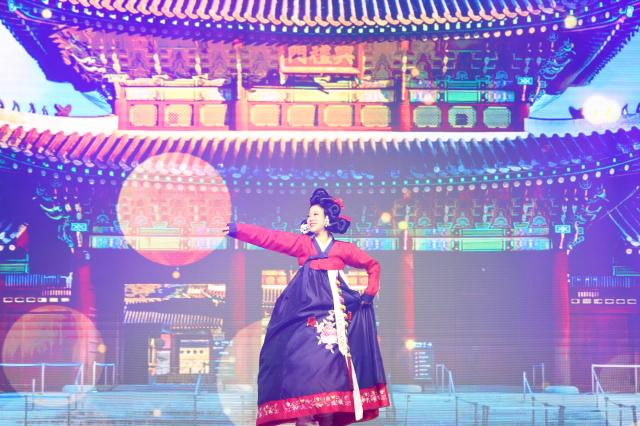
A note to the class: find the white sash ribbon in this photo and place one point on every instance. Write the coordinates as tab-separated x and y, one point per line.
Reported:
343	344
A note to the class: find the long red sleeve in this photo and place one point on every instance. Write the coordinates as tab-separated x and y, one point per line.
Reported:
283	242
359	259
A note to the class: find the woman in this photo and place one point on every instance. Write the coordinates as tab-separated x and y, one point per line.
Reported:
314	364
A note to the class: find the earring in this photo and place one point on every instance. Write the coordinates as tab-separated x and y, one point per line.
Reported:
326	221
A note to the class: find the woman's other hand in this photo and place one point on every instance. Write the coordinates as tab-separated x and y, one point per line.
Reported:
366	299
225	230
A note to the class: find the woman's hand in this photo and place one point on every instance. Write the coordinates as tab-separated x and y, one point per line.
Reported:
225	230
366	299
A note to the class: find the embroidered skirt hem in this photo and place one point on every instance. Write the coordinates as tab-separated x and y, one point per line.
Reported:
339	402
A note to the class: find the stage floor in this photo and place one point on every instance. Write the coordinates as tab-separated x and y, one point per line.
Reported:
182	407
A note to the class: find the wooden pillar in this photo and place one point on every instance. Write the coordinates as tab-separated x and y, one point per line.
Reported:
241	108
237	296
237	289
120	106
562	336
403	295
404	116
404	121
407	294
523	113
85	298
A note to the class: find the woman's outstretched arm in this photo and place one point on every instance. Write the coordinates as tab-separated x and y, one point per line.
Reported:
283	242
359	259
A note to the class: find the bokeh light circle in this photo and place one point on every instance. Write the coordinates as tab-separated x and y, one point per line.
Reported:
243	353
570	22
56	335
601	110
172	208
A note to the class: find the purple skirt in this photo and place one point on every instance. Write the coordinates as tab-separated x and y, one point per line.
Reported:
302	372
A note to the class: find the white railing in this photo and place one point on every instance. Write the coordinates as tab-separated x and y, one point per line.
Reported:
443	372
106	366
526	388
538	368
596	385
598	390
594	375
201	372
79	378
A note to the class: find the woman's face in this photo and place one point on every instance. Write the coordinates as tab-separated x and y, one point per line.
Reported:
315	220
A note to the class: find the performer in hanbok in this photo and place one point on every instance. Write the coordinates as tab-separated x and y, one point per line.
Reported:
320	360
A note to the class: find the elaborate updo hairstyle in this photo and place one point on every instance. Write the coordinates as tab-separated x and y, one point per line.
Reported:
332	207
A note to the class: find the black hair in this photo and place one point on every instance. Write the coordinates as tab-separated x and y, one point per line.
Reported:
332	209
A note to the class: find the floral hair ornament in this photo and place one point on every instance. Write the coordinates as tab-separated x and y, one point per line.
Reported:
305	228
339	202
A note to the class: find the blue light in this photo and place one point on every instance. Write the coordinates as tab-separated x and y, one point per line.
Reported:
629	11
524	80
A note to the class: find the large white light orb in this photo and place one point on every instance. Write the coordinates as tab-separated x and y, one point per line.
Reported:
601	110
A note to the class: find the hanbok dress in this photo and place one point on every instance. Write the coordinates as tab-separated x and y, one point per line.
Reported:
320	353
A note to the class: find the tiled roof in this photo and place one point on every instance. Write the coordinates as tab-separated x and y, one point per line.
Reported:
293	156
174	320
325	13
